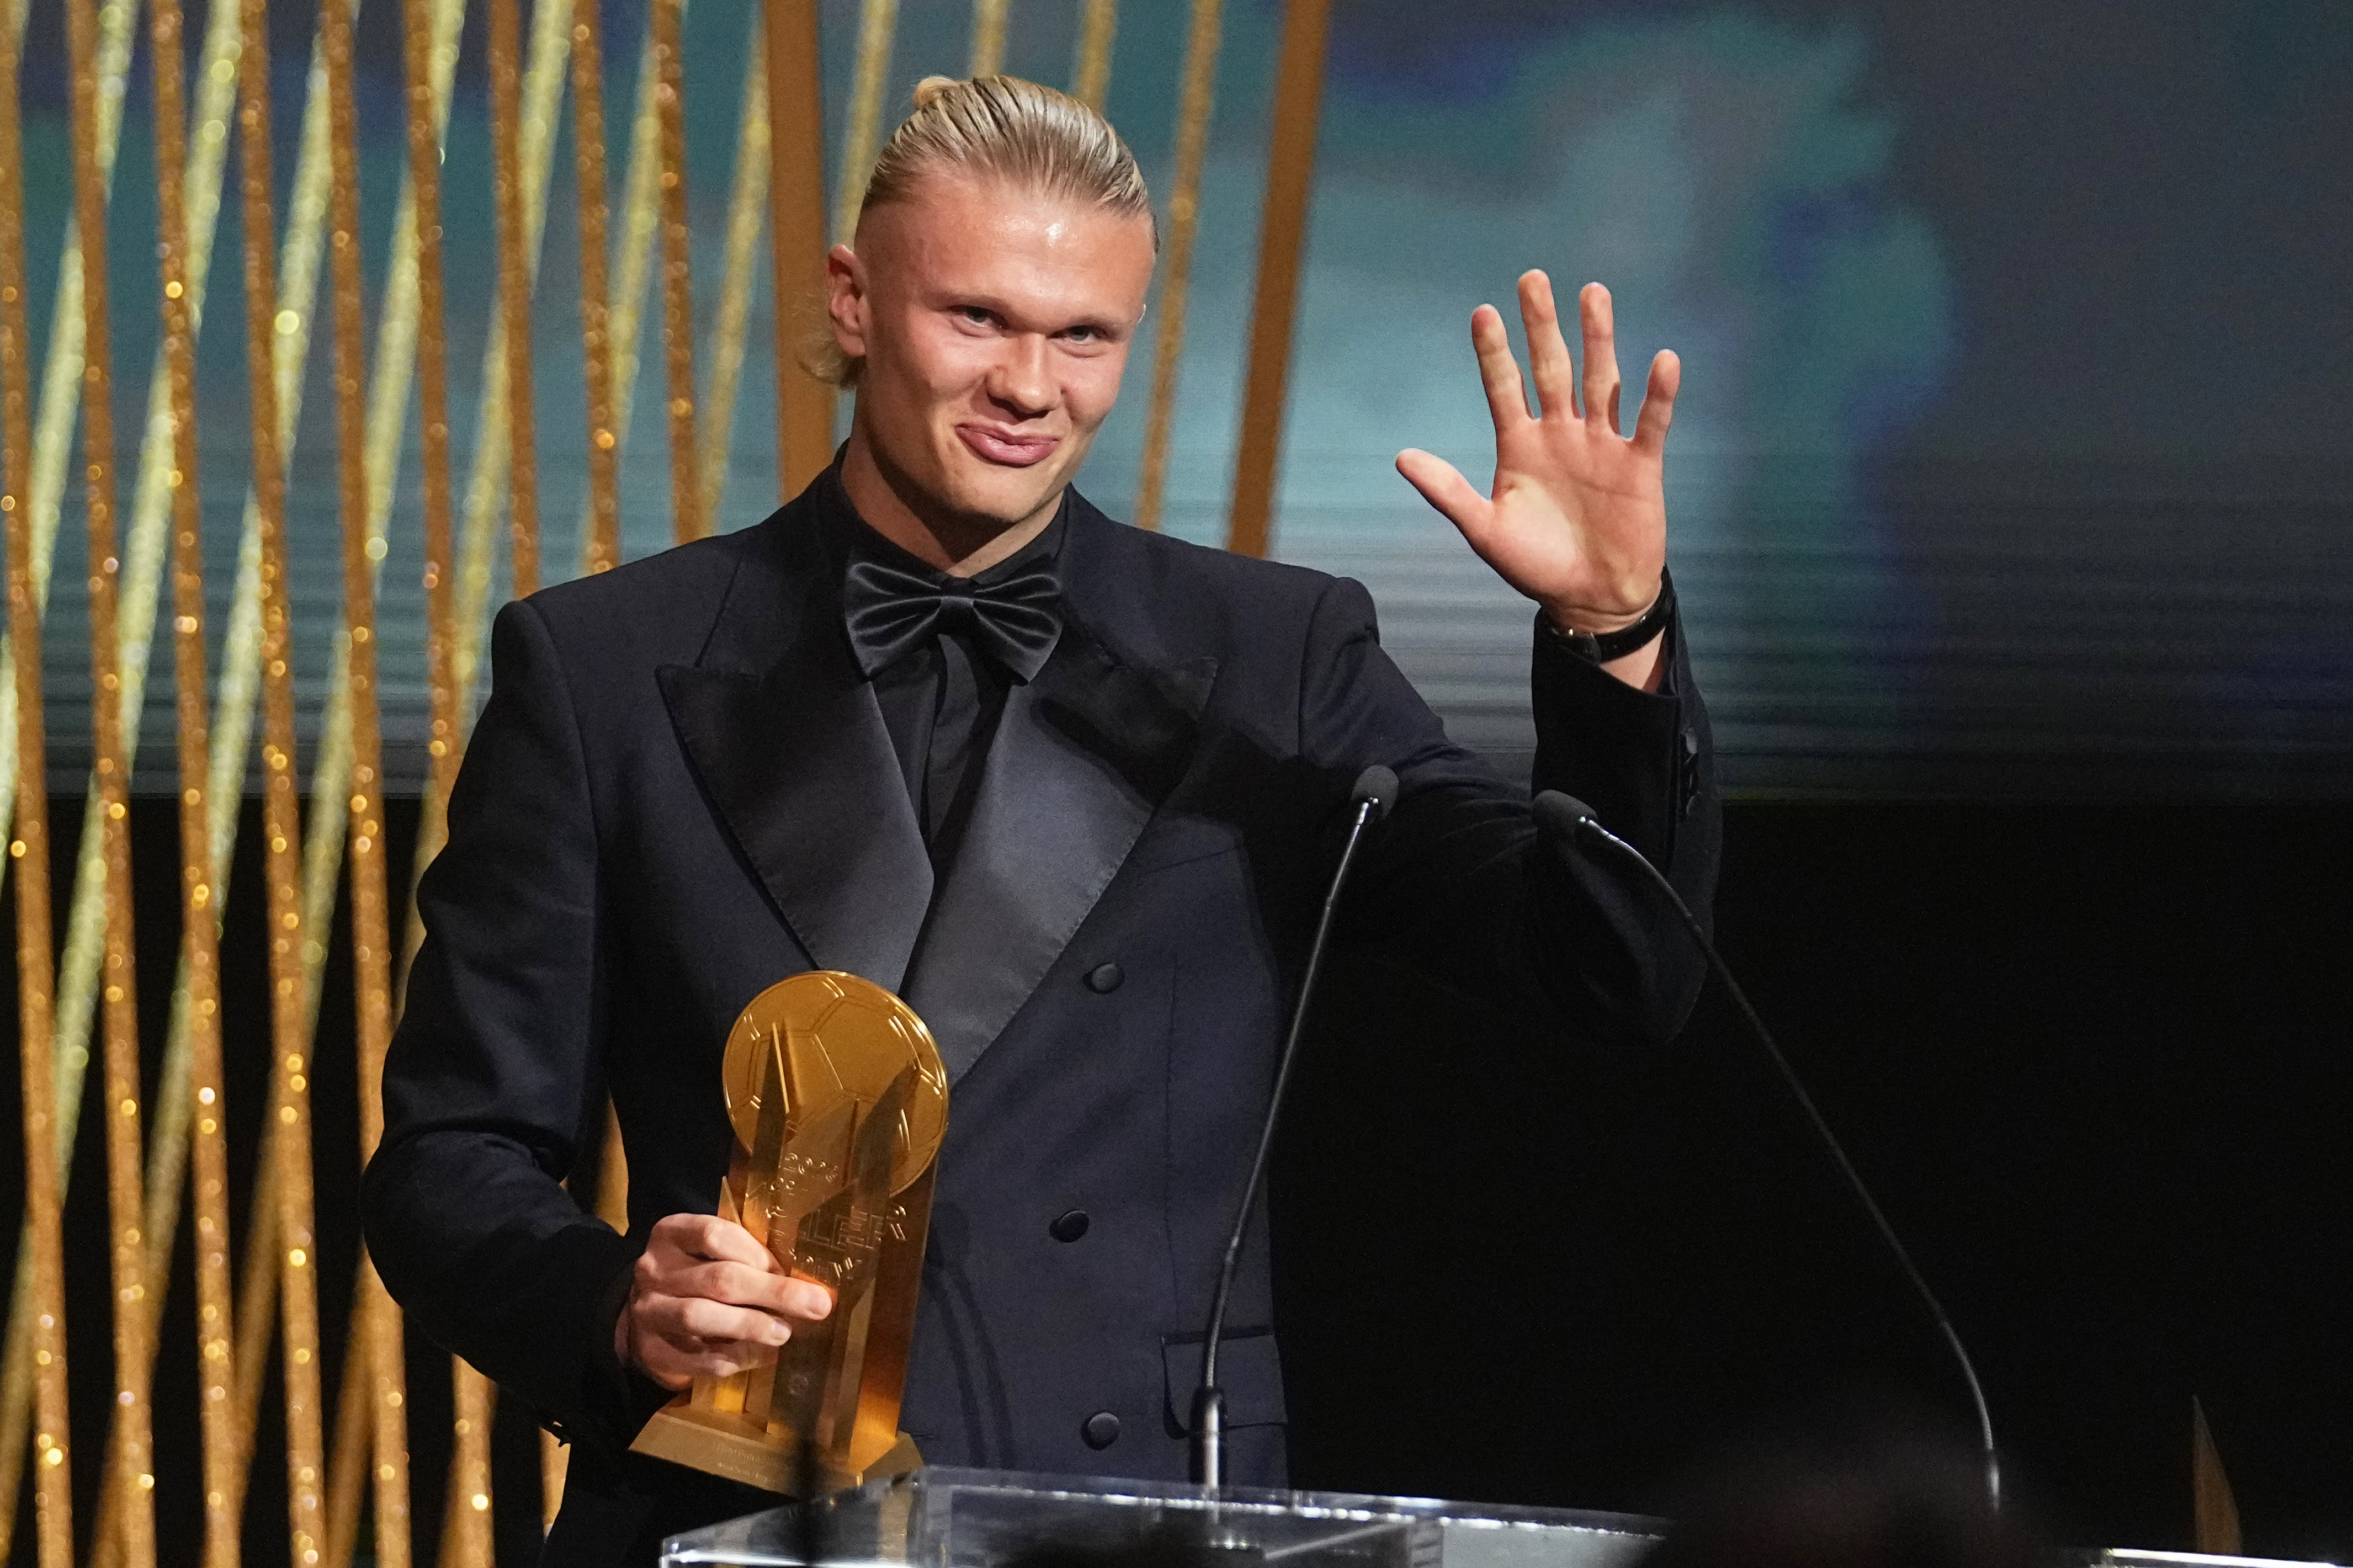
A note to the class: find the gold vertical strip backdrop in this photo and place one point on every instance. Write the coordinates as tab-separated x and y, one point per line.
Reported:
150	531
326	831
796	233
142	559
396	348
545	69
878	24
639	227
601	538
284	319
514	289
62	390
370	1428
444	718
746	195
988	36
193	199
28	847
126	1206
1283	234
281	824
466	1518
39	491
446	715
427	27
678	283
199	935
165	510
349	1438
375	1342
52	436
1090	73
1193	112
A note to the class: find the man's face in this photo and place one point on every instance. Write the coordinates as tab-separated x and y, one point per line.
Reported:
994	322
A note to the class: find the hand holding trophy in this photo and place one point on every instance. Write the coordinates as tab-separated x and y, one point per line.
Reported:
839	1102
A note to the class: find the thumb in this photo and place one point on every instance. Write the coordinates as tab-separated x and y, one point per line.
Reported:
1441	484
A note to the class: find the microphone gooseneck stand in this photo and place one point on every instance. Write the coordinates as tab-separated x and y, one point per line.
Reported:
1374	791
1566	820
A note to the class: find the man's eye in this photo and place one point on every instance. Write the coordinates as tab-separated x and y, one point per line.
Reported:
974	314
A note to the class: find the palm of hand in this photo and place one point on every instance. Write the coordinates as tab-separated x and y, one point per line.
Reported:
1578	518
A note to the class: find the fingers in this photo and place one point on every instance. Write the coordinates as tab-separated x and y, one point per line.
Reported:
1441	484
1658	403
1548	360
693	1313
708	1237
1498	370
739	1286
1601	355
689	1318
675	1356
758	1286
677	1338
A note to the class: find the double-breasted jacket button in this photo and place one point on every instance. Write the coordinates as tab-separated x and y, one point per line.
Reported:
1099	1430
1068	1226
1104	978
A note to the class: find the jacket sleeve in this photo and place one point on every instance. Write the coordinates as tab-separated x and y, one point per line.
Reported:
1456	882
486	1085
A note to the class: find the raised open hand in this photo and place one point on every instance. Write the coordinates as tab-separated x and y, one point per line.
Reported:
1579	518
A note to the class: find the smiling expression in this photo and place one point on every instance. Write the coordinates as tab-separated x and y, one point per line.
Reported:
993	322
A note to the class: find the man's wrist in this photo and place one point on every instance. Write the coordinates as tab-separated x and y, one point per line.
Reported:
1598	642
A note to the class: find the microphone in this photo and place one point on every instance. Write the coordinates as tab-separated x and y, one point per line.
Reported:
1370	800
1564	820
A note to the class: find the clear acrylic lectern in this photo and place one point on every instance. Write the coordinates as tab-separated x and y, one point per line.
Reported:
940	1517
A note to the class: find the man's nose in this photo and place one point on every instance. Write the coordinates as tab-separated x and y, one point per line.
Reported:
1023	380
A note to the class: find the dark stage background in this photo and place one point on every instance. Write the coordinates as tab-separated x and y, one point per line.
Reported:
2090	1056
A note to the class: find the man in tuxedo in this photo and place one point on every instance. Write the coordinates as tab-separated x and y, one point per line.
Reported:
1069	788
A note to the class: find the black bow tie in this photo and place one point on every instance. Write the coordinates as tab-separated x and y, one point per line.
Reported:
891	611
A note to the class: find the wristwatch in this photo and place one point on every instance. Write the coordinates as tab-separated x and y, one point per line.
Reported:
1601	648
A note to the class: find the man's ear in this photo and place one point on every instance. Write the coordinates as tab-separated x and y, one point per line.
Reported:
847	300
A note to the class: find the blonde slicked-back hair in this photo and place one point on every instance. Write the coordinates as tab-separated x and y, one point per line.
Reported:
998	128
1001	127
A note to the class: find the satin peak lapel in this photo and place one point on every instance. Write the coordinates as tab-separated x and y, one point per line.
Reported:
798	764
1083	757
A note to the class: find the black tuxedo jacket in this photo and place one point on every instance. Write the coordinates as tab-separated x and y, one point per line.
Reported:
681	791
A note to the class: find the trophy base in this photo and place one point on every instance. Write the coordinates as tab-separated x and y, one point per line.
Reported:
724	1443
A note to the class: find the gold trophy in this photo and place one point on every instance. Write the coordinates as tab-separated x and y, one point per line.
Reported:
839	1103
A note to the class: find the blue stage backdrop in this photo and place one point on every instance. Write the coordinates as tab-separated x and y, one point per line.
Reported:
2013	455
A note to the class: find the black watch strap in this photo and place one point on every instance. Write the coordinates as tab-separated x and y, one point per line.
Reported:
1604	647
